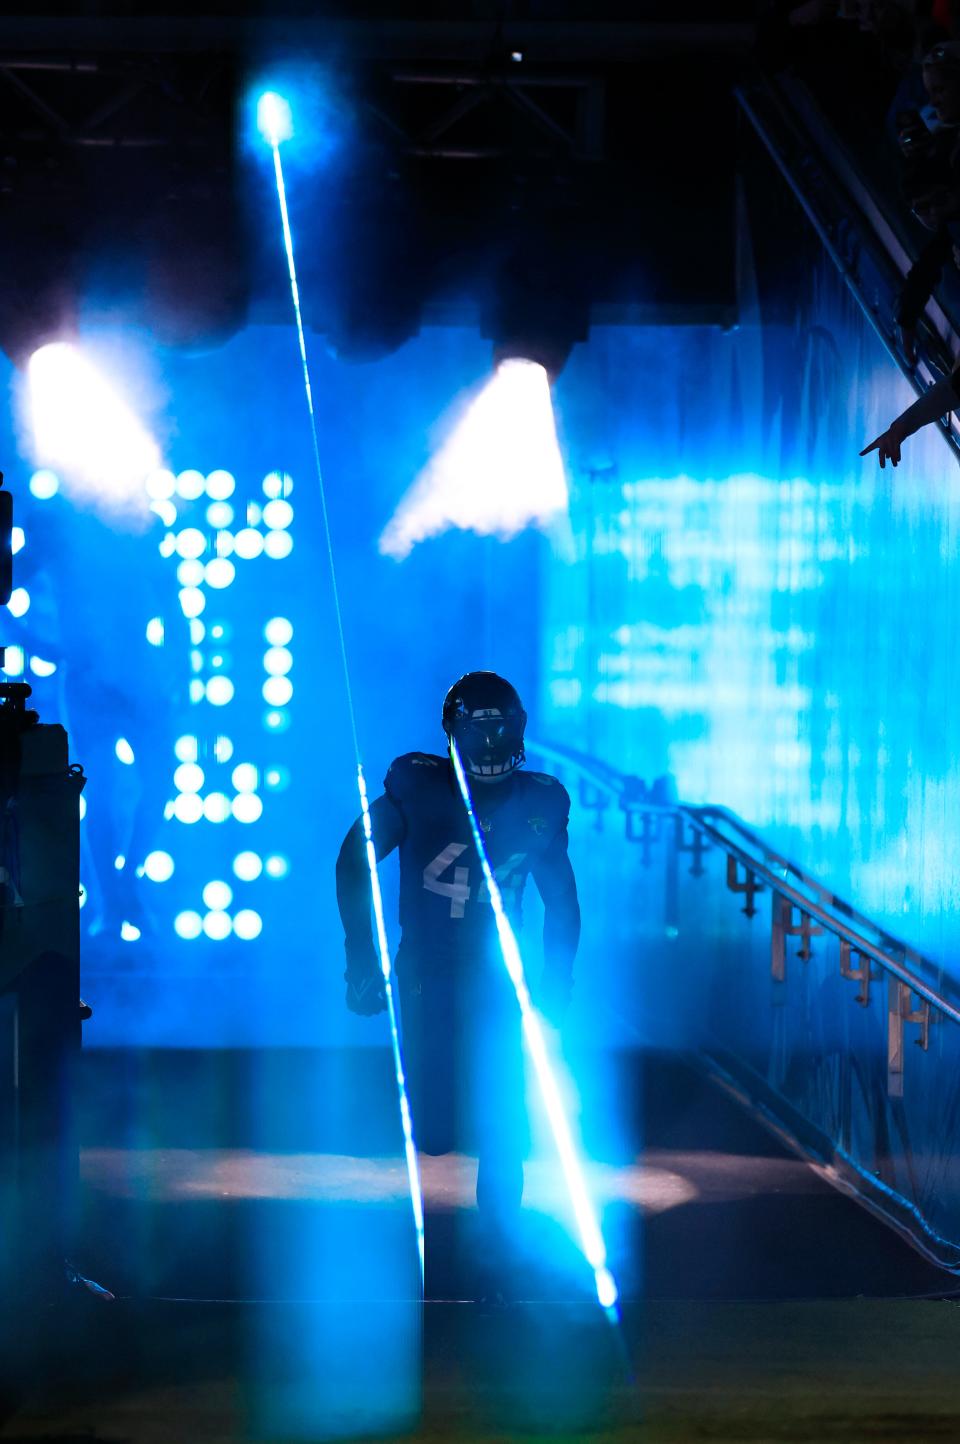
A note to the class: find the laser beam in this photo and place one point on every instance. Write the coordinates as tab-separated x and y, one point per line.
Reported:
276	126
591	1239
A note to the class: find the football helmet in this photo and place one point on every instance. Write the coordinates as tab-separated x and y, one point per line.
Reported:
483	714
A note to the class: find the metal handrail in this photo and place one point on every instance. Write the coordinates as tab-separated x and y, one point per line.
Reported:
756	857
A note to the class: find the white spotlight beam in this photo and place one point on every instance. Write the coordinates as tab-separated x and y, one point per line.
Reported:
499	472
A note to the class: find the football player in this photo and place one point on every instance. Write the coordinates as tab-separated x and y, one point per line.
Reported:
460	1016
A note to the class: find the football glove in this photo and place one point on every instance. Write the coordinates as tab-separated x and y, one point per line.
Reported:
364	978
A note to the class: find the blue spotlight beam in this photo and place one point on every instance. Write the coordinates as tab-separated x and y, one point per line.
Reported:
591	1239
274	131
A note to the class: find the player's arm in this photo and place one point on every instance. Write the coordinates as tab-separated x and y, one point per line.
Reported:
363	974
553	874
942	397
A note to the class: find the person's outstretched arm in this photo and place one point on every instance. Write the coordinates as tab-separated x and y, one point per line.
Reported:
553	874
941	398
363	975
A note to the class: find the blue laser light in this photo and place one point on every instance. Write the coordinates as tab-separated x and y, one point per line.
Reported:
591	1239
274	118
272	130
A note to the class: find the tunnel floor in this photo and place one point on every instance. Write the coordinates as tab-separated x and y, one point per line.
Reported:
759	1304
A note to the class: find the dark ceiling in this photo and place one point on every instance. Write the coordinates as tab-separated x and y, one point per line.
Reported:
579	155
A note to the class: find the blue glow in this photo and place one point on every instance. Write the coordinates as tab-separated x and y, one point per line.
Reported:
274	118
276	779
277	866
197	690
124	752
591	1239
19	603
188	925
276	720
41	668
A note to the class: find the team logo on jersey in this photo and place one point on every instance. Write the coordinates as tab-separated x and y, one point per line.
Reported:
539	824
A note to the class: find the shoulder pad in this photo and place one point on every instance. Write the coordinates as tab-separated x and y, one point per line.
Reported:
407	772
554	796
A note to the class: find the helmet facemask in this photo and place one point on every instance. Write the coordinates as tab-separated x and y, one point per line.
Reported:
484	716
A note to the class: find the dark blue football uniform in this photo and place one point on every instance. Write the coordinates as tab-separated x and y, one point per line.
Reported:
461	1023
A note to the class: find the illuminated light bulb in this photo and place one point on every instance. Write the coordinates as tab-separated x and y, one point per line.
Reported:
278	632
278	661
247	807
192	601
44	484
19	603
191	542
245	777
223	749
155	632
217	896
188	777
188	925
217	926
161	485
187	807
277	866
219	573
277	515
248	543
124	752
158	866
190	573
277	691
190	485
277	545
186	748
247	925
216	807
248	866
219	515
219	691
220	485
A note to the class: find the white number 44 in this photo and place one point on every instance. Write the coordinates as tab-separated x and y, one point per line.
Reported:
459	890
